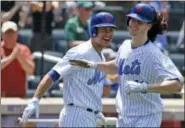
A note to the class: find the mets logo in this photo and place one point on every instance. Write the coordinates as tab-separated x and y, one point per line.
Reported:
97	78
107	18
139	9
134	68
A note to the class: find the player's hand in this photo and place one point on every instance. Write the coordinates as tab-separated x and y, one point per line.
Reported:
83	63
132	87
31	108
101	117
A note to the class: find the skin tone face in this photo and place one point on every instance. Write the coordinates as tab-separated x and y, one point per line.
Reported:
85	13
103	38
138	31
10	38
138	28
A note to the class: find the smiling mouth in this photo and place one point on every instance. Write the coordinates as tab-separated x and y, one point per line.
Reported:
107	40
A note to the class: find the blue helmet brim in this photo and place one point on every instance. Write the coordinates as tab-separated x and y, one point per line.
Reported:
105	25
139	17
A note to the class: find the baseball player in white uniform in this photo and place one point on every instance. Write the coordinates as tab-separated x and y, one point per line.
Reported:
82	87
144	70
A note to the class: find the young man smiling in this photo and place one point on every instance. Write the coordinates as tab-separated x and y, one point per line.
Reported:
144	71
82	87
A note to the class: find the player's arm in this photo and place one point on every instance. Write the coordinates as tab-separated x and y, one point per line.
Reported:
46	83
60	70
172	80
33	104
109	67
167	86
165	72
51	77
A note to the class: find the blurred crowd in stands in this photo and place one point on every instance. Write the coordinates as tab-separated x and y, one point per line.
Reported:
46	30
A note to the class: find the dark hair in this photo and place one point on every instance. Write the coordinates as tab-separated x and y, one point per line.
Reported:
159	26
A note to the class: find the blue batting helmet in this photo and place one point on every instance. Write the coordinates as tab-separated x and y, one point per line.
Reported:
102	19
143	12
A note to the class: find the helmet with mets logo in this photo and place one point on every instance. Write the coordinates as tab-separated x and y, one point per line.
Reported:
143	12
102	19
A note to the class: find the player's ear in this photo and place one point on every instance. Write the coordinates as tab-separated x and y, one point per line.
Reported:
149	26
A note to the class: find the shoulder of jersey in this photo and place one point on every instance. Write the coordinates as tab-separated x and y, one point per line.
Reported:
153	49
126	43
81	48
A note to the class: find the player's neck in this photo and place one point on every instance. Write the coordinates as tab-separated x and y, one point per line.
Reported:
97	47
138	41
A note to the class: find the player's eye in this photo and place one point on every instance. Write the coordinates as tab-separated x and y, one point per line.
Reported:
136	21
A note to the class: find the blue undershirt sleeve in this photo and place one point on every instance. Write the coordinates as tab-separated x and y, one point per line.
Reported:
54	75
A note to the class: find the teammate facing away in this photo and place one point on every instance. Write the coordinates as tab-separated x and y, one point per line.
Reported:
145	72
82	87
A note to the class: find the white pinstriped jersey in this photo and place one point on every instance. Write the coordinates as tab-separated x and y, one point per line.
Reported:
118	102
143	64
82	86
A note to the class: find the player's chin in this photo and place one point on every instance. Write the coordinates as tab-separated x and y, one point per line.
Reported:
133	33
106	44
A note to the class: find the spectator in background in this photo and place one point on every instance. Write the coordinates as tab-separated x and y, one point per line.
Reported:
10	11
59	19
16	61
42	26
71	9
43	15
76	28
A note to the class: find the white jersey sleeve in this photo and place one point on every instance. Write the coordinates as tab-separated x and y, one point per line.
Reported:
63	67
165	69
